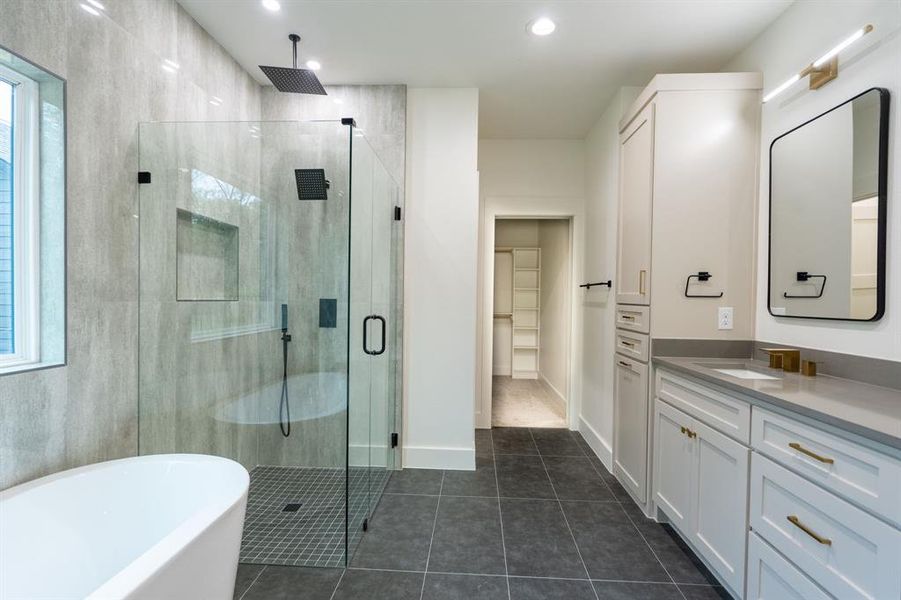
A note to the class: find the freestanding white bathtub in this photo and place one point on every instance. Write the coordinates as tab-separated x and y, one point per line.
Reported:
145	528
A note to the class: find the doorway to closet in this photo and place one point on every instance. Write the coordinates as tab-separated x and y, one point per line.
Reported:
531	322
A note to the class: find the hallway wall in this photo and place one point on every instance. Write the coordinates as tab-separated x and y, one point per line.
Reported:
553	354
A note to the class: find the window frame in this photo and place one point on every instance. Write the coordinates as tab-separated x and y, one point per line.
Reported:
26	225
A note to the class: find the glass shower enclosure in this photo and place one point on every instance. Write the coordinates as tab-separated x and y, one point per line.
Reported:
269	304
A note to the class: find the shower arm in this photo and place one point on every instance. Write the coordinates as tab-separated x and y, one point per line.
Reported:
294	39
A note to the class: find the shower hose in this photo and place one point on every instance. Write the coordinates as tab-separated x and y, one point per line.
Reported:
284	406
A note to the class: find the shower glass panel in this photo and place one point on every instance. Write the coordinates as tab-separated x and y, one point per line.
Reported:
252	310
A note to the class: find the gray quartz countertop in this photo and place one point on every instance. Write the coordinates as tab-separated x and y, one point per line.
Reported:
867	410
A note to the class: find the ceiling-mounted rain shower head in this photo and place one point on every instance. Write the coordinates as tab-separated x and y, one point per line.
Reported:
296	81
311	184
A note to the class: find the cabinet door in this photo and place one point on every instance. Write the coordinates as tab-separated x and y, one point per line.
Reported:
674	464
636	191
630	448
721	506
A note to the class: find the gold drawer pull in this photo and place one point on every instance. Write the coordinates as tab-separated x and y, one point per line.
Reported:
797	523
803	450
627	317
641	278
625	343
625	364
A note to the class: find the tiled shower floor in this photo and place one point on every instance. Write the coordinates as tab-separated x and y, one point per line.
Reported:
313	535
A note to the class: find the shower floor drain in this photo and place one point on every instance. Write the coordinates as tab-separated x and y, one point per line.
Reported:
292	507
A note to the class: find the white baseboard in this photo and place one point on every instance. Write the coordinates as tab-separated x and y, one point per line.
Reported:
502	370
453	459
601	447
557	393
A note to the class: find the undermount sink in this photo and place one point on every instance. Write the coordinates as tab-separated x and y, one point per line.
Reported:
737	370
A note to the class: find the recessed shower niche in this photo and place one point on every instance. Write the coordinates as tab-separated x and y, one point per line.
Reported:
207	258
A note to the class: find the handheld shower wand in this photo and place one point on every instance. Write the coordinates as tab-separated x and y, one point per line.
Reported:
284	405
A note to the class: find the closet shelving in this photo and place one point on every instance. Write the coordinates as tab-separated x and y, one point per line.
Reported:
526	312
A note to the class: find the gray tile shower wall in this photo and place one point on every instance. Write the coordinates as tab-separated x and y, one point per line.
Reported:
87	411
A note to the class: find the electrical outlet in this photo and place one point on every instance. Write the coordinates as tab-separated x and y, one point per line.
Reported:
724	317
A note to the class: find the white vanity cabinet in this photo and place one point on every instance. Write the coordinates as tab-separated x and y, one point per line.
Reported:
778	505
701	484
631	416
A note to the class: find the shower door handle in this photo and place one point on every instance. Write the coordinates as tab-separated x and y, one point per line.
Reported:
380	319
366	335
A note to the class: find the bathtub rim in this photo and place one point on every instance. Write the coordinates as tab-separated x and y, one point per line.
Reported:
171	545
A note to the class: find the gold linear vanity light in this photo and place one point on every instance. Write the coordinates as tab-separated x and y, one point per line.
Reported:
822	70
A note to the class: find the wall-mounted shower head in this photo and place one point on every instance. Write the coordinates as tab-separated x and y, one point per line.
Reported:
296	81
311	184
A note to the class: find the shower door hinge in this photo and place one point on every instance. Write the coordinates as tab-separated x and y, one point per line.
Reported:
394	440
397	213
143	176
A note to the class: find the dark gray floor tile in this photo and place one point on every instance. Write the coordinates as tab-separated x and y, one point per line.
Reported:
246	575
275	583
610	544
399	534
549	589
556	442
468	537
522	477
415	481
513	440
705	592
574	478
537	540
483	443
481	482
680	561
583	444
376	585
622	590
464	587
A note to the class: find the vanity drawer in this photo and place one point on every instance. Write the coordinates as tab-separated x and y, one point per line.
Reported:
633	318
633	345
866	477
724	413
771	576
848	552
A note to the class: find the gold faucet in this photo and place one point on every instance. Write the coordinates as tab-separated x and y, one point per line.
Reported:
787	359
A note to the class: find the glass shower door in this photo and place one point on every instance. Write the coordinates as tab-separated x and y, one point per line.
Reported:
373	335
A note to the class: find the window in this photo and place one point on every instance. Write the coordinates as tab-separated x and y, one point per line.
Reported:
19	221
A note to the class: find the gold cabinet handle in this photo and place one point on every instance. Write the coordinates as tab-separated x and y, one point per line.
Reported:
814	455
641	277
625	343
627	317
625	364
692	434
683	429
797	523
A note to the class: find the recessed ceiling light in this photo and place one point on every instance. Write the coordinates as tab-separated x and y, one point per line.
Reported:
542	26
96	4
313	65
90	10
337	100
172	64
272	5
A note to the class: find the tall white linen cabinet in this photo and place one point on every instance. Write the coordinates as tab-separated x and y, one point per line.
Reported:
688	189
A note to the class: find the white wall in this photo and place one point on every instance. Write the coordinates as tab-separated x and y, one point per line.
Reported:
805	31
601	200
556	309
527	178
441	246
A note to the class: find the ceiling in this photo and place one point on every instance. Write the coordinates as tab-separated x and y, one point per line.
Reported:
530	87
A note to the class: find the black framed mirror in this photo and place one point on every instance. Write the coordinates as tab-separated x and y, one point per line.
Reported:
828	213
